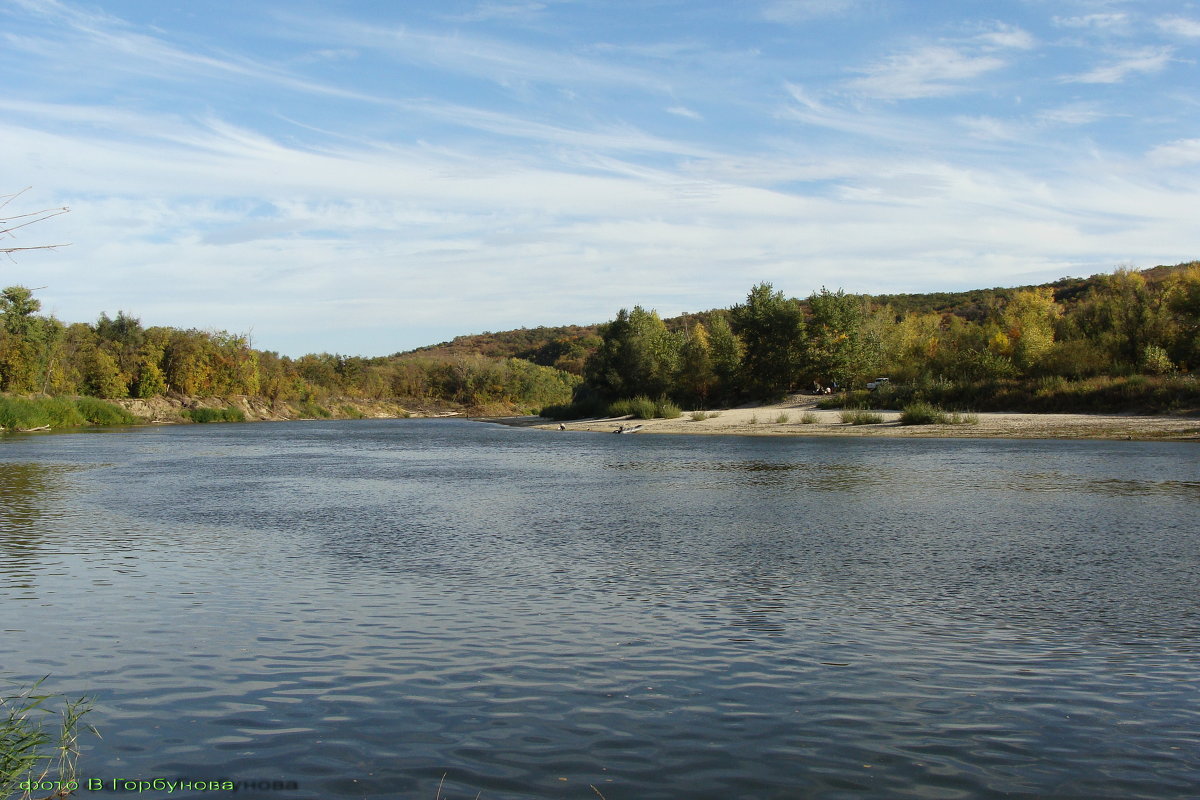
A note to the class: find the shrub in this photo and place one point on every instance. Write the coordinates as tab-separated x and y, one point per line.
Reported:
640	407
308	409
699	416
665	409
782	418
922	413
808	418
857	416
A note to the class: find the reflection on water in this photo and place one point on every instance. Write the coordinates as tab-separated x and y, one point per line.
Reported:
28	497
364	607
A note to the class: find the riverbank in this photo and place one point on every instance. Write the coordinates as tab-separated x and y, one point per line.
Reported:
20	414
799	416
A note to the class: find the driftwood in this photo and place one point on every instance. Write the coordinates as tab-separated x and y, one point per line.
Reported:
38	428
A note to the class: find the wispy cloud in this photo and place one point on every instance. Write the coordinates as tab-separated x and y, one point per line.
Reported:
1096	21
1142	62
931	71
682	111
1180	26
1177	153
792	11
478	56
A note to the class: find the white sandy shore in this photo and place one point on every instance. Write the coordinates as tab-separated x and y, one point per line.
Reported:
765	421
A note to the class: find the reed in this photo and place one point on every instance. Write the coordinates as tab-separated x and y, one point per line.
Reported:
34	760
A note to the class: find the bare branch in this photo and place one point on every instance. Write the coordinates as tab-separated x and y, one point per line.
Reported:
18	221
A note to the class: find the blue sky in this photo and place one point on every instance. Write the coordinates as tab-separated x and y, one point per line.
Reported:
367	177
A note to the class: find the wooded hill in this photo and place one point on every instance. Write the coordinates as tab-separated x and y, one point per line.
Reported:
1048	339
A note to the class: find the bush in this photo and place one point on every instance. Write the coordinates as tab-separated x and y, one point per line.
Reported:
307	409
665	409
782	418
808	418
214	415
642	407
857	416
922	413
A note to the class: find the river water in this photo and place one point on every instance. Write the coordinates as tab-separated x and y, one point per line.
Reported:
366	609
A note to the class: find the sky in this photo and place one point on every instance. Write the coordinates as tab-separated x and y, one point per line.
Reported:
362	177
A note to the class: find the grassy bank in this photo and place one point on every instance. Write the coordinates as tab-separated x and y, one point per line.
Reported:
33	413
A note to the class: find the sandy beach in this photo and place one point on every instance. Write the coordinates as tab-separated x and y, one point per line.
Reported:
785	419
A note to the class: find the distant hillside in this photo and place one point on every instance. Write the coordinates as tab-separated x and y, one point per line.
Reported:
567	347
564	347
972	305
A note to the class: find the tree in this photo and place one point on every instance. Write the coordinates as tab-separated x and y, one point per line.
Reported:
726	349
838	347
1027	323
637	356
771	328
697	378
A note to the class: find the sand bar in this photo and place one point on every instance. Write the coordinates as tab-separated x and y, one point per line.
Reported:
768	420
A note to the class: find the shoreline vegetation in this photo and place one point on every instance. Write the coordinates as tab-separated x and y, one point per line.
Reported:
1113	345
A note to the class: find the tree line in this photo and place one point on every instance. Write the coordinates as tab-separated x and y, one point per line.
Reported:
118	357
1117	325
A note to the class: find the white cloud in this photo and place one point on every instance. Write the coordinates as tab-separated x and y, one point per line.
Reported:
1007	37
1072	114
932	71
1109	20
1177	153
1143	62
684	112
1180	26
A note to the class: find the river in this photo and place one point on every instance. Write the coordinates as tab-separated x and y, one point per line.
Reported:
368	609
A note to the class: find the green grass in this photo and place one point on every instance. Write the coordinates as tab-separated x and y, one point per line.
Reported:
858	416
808	418
25	413
31	753
782	418
311	410
214	414
642	407
99	412
350	412
922	413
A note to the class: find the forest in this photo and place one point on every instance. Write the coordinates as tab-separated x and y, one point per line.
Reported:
1125	341
1128	340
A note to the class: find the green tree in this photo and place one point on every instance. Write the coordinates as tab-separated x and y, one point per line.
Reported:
637	356
771	328
839	349
697	377
726	349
